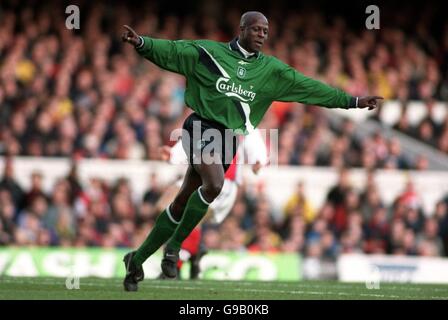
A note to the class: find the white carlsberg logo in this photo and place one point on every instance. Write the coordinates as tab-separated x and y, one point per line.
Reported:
242	62
233	90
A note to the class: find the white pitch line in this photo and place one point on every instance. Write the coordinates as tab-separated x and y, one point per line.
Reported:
299	284
233	283
305	285
293	292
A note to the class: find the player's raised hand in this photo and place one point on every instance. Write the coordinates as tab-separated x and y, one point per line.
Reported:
368	102
131	36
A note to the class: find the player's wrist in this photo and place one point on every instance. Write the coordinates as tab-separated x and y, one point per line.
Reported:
141	43
354	102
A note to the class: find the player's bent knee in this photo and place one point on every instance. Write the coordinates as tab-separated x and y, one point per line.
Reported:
212	190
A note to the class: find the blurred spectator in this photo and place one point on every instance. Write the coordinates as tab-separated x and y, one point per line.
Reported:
299	205
430	237
330	246
9	184
341	196
370	198
36	188
377	230
441	214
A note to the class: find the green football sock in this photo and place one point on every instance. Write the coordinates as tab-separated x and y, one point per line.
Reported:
162	231
195	210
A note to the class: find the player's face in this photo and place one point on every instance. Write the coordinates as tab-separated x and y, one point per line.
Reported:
255	34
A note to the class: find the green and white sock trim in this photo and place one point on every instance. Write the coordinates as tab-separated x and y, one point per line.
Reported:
168	212
202	198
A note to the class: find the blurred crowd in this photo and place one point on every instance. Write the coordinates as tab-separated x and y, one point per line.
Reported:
349	221
308	138
428	130
109	215
83	93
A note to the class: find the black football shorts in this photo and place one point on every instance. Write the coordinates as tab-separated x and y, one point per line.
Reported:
206	141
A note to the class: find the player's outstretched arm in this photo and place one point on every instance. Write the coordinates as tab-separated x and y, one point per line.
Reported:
176	56
293	86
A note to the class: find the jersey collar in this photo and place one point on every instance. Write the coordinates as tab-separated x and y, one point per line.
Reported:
233	45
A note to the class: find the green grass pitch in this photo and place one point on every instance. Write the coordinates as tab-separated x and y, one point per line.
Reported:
94	288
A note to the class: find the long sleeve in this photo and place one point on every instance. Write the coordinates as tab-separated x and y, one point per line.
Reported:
179	56
292	86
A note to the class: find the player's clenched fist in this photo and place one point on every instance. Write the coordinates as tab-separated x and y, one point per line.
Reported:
131	36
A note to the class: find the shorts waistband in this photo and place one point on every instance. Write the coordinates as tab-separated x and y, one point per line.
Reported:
213	123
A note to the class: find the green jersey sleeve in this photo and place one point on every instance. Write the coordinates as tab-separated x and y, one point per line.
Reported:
179	56
293	86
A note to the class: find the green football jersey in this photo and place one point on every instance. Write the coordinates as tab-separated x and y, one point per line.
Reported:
225	86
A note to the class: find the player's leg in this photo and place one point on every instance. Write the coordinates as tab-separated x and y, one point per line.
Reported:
191	247
219	210
164	227
197	148
168	220
212	176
